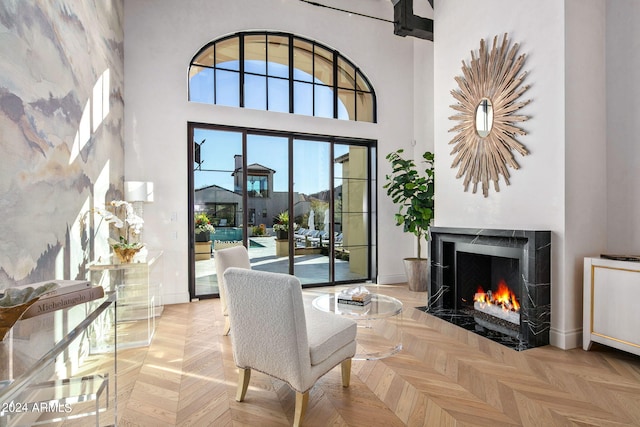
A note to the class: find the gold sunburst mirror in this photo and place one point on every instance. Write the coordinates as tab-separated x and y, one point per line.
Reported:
487	111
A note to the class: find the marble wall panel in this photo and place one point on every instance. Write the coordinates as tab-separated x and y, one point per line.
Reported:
61	133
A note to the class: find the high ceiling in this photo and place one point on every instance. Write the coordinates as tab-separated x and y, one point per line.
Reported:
406	23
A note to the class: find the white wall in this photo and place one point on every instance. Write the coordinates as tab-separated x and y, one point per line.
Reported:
623	126
423	97
161	38
423	87
585	154
565	139
535	197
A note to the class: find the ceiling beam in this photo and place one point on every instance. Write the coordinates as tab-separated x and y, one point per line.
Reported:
405	23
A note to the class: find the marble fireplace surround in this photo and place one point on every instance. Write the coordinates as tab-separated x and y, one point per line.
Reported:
533	250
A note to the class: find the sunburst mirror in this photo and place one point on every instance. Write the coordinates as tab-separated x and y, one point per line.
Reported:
487	111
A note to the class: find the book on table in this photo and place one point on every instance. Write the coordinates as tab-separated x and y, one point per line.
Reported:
357	299
49	302
63	287
354	302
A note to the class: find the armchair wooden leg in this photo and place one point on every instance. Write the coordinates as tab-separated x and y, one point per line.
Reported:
227	326
243	383
346	372
301	406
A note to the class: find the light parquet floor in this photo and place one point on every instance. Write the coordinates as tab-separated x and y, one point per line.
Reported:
444	376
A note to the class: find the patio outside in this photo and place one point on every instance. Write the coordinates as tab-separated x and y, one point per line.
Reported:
309	268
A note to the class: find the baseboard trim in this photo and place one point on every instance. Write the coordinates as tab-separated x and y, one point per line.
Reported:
391	279
176	298
566	340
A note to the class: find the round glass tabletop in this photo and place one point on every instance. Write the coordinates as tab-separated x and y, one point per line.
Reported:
380	307
379	335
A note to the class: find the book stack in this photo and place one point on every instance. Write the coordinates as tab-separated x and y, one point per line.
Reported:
634	258
67	294
358	298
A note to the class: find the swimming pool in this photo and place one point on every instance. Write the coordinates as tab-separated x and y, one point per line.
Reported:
254	244
227	234
231	234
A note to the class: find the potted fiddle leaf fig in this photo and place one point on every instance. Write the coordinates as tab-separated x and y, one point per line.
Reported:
413	192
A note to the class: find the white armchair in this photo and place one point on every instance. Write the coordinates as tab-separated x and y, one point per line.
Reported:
273	334
236	256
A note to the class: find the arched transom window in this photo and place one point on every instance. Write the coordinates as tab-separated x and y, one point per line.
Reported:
280	72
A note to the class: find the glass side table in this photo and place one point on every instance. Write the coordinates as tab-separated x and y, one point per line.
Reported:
48	373
379	323
139	288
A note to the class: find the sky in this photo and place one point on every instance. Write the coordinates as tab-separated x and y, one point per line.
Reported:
311	160
258	85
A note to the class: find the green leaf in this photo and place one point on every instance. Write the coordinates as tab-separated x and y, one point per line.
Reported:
412	191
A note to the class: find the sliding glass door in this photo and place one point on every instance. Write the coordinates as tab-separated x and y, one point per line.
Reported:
267	184
217	199
311	207
353	216
302	205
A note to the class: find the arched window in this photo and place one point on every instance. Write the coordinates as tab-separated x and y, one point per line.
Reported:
280	72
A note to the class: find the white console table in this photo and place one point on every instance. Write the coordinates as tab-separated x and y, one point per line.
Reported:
611	293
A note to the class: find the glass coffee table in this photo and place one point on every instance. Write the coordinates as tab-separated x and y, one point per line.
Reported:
379	323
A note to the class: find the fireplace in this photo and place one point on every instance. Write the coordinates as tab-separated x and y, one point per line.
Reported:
496	283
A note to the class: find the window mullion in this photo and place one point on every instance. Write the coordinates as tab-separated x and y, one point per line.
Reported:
313	79
290	206
332	264
335	84
241	77
266	70
355	93
291	74
215	74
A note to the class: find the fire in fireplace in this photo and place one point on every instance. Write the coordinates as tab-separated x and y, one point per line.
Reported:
493	282
501	304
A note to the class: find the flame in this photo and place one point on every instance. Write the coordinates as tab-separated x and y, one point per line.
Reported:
502	297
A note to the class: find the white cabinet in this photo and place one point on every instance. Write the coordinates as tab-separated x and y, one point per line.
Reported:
611	304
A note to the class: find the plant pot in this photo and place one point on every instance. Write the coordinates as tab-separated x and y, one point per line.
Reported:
417	270
125	255
282	235
203	236
282	247
203	251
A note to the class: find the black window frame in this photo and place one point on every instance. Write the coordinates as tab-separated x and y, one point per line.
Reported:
335	87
